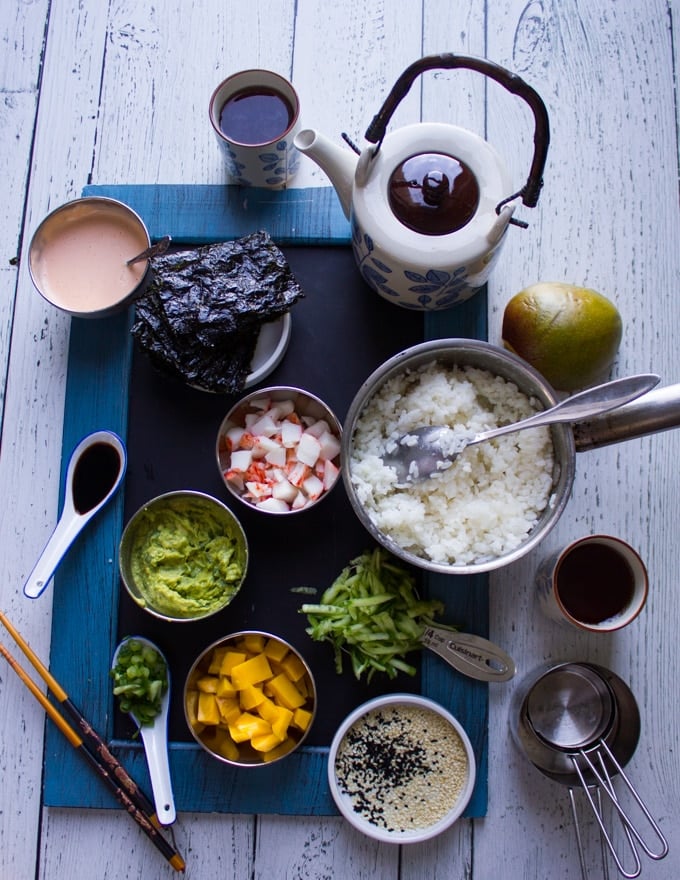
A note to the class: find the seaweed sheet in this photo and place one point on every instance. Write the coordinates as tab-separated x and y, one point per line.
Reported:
201	315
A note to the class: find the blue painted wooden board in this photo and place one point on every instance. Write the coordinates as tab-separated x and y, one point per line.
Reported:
84	630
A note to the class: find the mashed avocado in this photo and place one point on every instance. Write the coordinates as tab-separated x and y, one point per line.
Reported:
185	559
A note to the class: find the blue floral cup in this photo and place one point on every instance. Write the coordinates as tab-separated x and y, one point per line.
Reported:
255	115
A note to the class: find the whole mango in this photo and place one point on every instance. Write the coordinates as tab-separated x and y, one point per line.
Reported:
569	334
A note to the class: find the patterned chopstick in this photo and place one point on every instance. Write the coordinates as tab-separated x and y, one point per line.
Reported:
92	740
94	756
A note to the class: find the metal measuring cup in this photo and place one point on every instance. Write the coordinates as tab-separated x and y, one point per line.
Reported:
579	724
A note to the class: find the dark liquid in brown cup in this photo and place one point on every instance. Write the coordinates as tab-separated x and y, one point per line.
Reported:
595	583
255	115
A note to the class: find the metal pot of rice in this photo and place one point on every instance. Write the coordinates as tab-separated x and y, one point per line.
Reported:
501	497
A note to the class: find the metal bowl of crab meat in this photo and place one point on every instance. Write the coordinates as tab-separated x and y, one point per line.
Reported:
278	450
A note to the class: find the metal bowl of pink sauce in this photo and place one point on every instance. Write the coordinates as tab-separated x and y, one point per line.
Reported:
78	257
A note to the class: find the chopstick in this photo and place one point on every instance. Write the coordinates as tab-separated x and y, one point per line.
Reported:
92	740
105	768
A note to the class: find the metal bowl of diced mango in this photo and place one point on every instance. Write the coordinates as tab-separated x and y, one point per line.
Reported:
250	699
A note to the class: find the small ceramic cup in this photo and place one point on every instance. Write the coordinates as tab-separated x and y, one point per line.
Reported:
255	115
597	583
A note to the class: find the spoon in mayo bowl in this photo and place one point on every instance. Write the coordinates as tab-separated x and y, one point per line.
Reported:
160	247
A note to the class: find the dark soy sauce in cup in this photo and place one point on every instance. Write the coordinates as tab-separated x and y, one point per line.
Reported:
256	115
594	583
95	475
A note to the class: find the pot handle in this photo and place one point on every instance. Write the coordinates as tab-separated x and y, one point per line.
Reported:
513	83
655	411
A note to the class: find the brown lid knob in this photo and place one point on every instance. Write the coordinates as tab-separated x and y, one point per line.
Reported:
433	193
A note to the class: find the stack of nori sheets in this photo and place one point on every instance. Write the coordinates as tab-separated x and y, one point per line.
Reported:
201	315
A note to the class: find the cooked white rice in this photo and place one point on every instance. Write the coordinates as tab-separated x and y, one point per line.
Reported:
483	506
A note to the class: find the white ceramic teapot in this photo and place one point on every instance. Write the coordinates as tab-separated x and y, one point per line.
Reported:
429	204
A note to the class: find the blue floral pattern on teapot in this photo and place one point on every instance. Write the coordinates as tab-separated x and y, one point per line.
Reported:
418	288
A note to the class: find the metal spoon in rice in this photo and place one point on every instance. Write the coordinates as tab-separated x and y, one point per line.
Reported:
427	451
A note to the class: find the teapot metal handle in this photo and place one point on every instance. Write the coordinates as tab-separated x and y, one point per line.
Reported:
513	83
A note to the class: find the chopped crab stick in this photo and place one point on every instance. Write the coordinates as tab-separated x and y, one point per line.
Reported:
280	461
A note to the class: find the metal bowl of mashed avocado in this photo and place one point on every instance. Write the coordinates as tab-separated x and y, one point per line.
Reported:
183	556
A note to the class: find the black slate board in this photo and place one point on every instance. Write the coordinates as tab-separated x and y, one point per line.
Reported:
341	333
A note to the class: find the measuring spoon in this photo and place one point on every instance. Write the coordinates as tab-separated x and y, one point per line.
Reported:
424	452
95	470
155	740
469	654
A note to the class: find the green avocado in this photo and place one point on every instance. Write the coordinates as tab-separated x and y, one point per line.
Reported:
185	561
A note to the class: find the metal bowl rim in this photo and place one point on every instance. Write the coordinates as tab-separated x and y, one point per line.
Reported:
563	444
136	517
124	300
335	425
218	643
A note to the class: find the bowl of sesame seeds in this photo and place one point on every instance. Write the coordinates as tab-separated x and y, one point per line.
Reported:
401	768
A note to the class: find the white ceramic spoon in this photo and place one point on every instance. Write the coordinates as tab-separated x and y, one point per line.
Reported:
95	470
155	739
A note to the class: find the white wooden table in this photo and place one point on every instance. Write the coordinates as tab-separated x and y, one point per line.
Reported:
117	93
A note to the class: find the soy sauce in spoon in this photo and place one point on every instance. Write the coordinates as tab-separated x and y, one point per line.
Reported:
95	474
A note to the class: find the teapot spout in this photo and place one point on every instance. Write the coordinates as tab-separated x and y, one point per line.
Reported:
338	163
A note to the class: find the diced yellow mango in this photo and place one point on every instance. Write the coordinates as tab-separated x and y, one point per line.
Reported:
192	707
281	724
285	692
238	734
229	709
301	718
216	660
231	659
254	643
268	709
208	684
252	671
275	650
250	697
207	711
280	750
265	743
224	745
293	667
225	688
247	726
253	692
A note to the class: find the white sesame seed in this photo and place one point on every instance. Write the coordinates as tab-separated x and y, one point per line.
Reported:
402	767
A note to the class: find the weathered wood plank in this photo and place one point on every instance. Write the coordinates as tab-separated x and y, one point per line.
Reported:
608	216
22	462
204	213
604	220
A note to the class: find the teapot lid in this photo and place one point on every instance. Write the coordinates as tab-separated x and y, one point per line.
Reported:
433	193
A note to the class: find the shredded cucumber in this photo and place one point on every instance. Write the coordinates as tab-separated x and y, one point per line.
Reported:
372	614
140	680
